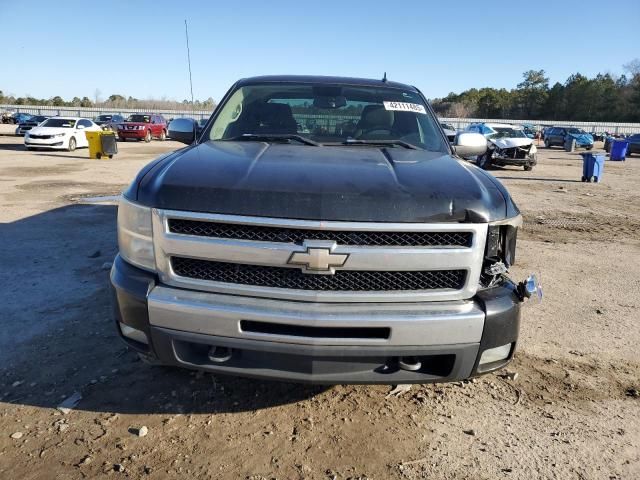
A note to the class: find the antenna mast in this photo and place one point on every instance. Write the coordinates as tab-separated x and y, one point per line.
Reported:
186	32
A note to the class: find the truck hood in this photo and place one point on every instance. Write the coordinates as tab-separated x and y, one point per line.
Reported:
582	138
352	183
511	142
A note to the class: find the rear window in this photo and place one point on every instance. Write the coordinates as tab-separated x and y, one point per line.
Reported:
139	118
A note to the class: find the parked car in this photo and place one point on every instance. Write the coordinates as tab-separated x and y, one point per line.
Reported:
569	138
609	138
109	121
18	118
7	116
262	251
506	145
143	127
450	131
29	124
634	143
66	133
529	130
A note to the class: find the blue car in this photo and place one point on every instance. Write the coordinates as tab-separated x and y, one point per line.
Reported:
569	138
18	118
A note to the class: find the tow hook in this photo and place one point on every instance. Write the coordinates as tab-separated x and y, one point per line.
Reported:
410	364
219	354
530	288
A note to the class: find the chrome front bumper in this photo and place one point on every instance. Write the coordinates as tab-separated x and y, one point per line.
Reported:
424	324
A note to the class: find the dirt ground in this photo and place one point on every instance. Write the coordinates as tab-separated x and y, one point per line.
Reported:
572	412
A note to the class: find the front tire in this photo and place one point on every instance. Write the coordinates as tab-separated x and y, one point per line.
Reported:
547	144
484	161
163	136
72	144
147	137
528	168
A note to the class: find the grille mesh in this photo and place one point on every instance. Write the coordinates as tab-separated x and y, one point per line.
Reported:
296	235
293	278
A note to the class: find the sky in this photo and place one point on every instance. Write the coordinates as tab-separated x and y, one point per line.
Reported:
137	48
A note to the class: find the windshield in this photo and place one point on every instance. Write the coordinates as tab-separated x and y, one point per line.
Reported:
139	118
575	130
502	132
328	114
447	126
59	123
102	118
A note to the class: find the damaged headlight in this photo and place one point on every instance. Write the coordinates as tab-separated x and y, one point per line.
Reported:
500	249
501	240
135	234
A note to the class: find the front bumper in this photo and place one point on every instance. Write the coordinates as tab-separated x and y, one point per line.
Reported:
45	143
315	342
132	133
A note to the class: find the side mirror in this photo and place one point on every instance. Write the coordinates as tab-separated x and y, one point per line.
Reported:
80	127
469	144
183	130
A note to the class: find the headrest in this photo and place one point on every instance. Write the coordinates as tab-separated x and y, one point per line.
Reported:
377	116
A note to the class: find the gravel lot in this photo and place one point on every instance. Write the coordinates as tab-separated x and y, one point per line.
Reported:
573	410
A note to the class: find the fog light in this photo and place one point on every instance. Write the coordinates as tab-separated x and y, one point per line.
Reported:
133	333
495	354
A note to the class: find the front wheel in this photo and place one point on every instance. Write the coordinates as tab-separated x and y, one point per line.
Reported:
72	144
528	168
163	136
147	137
484	161
547	144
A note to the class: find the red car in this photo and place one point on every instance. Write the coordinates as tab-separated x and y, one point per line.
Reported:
143	126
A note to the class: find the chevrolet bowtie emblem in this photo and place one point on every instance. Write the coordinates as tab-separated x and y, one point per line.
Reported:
318	258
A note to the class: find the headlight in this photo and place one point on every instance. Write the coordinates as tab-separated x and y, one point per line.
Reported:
501	240
135	234
532	150
120	127
58	135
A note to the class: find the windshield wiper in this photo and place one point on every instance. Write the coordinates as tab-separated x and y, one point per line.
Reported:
400	143
268	137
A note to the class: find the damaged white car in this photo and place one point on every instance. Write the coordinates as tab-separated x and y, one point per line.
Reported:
506	145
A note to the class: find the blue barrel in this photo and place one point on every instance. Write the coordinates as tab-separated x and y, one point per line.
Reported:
619	150
592	166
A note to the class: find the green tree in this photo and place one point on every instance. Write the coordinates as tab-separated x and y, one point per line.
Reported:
532	92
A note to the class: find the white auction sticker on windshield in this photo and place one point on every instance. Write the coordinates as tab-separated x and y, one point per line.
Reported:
405	107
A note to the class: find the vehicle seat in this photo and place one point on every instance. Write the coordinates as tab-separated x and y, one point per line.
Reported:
375	122
274	118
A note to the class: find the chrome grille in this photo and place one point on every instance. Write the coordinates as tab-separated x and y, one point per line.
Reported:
293	278
297	235
251	256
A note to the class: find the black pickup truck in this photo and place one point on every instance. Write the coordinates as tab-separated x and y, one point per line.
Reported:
320	229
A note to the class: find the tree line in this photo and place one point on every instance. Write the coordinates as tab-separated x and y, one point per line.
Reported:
114	101
603	98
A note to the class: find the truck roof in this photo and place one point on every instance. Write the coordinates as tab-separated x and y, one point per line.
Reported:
325	80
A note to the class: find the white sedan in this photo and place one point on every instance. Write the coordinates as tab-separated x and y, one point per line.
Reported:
67	133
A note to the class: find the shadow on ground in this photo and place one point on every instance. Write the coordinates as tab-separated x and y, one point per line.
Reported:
60	336
536	179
